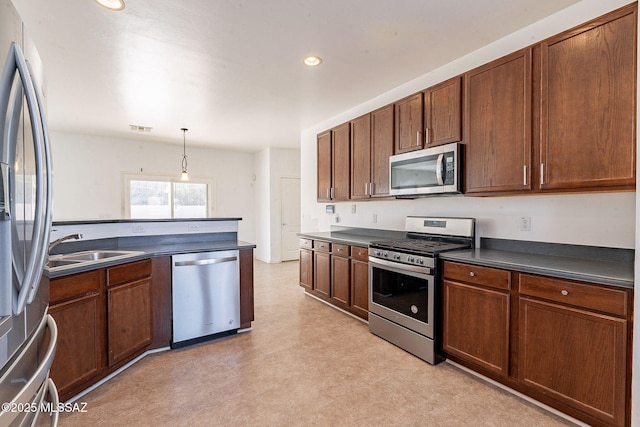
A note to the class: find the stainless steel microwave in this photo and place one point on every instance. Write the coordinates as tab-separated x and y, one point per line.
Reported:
430	171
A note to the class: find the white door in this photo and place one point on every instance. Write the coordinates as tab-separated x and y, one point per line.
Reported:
290	214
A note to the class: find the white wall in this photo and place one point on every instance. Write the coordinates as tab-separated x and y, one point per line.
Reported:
606	219
88	176
271	165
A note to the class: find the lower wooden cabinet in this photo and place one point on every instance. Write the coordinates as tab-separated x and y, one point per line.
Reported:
104	320
562	342
336	273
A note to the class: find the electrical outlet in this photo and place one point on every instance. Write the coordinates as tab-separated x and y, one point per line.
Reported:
525	223
374	218
353	208
138	229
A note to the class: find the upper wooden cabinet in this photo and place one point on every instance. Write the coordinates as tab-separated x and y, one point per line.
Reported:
334	164
587	105
372	142
498	125
409	127
443	112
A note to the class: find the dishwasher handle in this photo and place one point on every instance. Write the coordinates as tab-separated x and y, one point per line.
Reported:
204	261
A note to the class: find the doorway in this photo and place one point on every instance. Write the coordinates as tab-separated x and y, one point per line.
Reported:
290	217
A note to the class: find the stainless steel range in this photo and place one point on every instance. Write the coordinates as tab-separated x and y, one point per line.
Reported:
404	285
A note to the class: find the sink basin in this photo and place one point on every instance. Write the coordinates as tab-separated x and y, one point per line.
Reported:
78	259
93	255
60	262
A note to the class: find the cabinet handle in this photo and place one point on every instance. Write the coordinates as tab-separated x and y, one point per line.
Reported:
333	192
328	196
564	292
524	174
541	173
366	188
427	136
472	274
418	138
371	188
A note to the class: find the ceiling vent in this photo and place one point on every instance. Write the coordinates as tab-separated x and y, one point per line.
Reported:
138	128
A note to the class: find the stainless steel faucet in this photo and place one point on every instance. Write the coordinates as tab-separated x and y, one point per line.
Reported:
55	243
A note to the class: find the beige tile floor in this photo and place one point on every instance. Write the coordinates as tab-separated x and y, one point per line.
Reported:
303	364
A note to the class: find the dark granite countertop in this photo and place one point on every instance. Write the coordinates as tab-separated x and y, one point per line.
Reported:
354	236
145	251
604	272
125	221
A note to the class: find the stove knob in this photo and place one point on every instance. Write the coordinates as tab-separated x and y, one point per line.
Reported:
396	257
421	261
385	254
376	253
411	259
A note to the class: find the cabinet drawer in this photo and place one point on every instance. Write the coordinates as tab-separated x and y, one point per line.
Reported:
128	272
340	250
306	243
608	300
486	276
358	252
321	246
76	285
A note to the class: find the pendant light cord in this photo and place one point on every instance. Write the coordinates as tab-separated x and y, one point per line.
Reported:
184	149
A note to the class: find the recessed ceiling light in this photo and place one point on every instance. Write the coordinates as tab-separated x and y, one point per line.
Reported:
111	4
312	61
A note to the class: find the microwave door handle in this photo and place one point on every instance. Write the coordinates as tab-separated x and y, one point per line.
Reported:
439	169
32	272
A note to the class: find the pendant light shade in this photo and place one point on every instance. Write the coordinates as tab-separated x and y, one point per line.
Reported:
184	176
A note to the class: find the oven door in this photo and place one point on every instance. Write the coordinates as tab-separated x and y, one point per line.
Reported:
403	294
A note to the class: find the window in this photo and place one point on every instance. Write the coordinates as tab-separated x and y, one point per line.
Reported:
153	197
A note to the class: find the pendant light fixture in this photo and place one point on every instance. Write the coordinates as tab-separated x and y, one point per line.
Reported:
184	176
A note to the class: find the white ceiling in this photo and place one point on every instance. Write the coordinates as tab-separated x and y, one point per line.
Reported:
231	70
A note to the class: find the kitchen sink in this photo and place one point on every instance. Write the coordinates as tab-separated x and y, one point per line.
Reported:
79	259
93	255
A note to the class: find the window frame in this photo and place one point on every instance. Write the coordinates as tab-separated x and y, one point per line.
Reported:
126	193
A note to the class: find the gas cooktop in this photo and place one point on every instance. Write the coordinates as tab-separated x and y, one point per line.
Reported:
419	246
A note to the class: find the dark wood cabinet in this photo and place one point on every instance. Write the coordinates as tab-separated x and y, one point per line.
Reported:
562	342
129	319
337	274
324	167
498	125
409	127
246	288
322	273
306	264
476	316
161	301
587	105
361	151
334	165
382	147
360	281
128	310
573	345
77	305
443	113
340	275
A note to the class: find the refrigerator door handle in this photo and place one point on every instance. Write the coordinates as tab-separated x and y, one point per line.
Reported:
46	172
32	273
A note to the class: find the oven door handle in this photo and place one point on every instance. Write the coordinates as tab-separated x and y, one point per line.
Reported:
400	268
439	170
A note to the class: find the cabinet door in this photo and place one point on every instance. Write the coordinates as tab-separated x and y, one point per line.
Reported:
129	319
324	167
340	281
322	273
306	269
382	146
341	162
360	157
409	124
498	125
476	326
576	357
246	288
443	112
360	288
587	109
81	343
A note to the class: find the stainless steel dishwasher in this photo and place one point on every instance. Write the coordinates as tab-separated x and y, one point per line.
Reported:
205	296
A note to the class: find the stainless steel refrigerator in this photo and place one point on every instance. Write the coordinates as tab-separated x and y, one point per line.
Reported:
27	332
